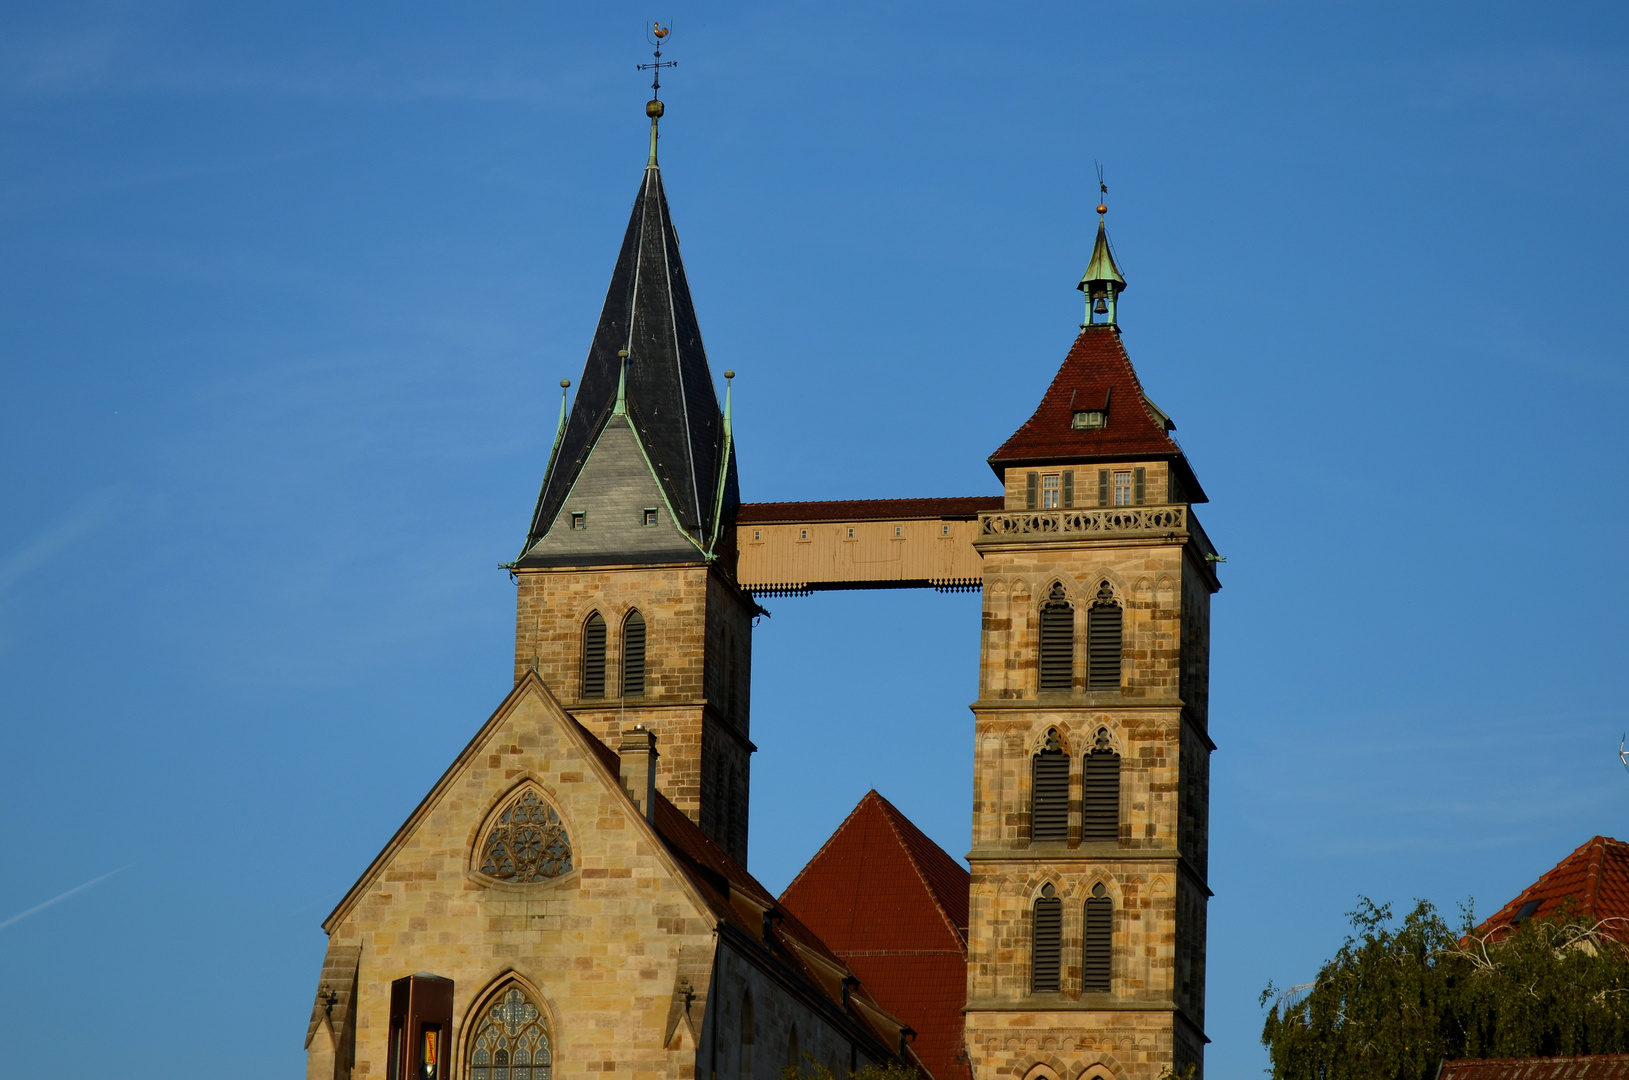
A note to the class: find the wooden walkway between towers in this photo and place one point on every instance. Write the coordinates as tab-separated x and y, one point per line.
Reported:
791	548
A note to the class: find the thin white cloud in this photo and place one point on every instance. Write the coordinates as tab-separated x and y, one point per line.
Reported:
37	908
91	511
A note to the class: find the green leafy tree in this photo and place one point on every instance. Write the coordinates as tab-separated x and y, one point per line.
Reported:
1398	999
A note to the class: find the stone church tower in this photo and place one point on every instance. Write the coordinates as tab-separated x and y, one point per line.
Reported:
627	604
1086	945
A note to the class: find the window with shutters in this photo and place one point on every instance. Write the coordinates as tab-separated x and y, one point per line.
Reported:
633	655
1100	793
594	656
1068	489
1103	641
1122	488
1057	661
1049	491
1097	965
511	1040
1047	944
1049	797
1032	490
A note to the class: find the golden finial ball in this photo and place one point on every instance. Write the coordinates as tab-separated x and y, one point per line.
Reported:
653	109
729	374
1102	208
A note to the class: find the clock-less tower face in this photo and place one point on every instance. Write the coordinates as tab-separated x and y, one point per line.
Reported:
1087	937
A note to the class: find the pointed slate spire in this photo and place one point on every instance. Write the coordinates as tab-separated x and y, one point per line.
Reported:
666	390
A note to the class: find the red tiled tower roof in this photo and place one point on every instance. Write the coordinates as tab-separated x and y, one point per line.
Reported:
893	905
1096	376
1595	878
1588	1067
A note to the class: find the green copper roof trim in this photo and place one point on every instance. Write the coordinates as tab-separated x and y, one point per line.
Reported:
723	469
1101	270
651	164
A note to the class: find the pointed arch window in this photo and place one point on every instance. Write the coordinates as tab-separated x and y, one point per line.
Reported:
1100	804
594	656
1049	796
1097	968
1103	641
633	655
1057	643
1046	947
526	843
511	1040
749	1036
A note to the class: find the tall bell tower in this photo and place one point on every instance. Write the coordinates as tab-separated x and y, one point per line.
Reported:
1086	950
628	605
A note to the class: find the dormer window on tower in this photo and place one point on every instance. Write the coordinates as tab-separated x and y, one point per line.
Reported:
1087	419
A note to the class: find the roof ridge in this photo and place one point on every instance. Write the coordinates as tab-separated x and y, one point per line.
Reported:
830	840
896	818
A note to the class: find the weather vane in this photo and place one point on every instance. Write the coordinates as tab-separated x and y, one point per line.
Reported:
657	35
1103	192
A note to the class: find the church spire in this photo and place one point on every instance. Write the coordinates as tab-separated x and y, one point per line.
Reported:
647	363
1102	282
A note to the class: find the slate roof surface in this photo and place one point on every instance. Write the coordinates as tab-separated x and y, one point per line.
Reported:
1097	374
715	874
1595	878
670	395
893	905
1588	1067
953	508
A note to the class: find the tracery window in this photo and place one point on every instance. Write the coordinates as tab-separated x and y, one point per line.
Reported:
1100	803
633	655
594	656
1049	793
1057	667
511	1041
1046	945
527	843
1104	625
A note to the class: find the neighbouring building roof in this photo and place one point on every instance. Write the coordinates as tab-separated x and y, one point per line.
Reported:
1096	376
1588	1067
670	397
893	905
1595	879
740	901
955	508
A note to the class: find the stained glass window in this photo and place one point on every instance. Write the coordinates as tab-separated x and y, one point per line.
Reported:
510	1041
528	843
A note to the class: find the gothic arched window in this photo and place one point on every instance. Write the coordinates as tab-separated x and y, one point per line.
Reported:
1098	961
633	655
1046	948
511	1040
526	842
1057	643
749	1036
1103	638
1049	796
1100	806
594	656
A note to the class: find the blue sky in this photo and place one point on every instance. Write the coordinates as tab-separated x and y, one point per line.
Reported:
286	291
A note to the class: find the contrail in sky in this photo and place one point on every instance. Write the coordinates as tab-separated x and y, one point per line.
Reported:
57	899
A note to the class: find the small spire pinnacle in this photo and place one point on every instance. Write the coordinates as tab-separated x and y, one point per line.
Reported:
1102	282
621	408
565	385
657	35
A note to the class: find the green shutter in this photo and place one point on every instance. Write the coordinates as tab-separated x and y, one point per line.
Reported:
1139	482
1032	490
1068	488
1102	487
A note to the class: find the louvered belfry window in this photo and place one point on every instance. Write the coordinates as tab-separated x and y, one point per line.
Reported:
1047	945
1057	643
1100	805
1049	800
1097	968
594	656
1103	642
633	656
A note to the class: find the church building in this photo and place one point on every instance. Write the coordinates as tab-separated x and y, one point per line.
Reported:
571	898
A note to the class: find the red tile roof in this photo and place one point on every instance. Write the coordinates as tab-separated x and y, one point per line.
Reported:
1595	878
1589	1067
893	905
721	881
954	508
1097	374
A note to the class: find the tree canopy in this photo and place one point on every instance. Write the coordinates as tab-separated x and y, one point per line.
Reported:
1398	999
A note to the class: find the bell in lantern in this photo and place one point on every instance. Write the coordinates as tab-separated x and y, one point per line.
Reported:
1102	305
